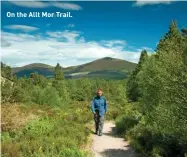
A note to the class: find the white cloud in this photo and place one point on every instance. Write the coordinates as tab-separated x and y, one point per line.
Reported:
146	48
111	43
67	48
140	3
70	26
67	6
69	36
39	4
4	43
30	4
21	27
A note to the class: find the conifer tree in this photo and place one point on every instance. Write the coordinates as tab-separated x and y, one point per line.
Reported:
172	42
59	75
133	91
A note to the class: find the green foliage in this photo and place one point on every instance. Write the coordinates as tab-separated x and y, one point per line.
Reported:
58	73
6	92
151	141
161	80
38	127
155	123
128	118
123	123
38	80
65	133
55	136
6	71
167	45
5	136
19	95
113	111
47	96
62	88
37	95
61	93
12	92
133	89
120	93
79	95
73	153
184	32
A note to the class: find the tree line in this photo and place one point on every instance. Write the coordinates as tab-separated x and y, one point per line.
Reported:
58	91
156	124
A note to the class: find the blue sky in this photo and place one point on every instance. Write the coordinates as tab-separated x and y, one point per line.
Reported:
96	30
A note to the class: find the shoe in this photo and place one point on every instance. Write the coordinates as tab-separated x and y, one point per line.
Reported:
96	132
100	134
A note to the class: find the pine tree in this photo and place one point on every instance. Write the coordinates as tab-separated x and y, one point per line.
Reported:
35	78
172	42
59	75
162	81
185	57
143	57
133	91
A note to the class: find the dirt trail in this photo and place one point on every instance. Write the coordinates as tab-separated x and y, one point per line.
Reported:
109	145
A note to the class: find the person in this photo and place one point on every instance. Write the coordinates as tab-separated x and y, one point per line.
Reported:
99	107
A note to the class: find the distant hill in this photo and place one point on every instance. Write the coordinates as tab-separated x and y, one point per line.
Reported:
108	68
31	66
42	69
106	63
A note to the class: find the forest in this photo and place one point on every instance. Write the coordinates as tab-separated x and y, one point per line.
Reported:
52	116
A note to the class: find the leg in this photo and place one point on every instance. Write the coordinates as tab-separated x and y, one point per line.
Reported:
96	119
101	123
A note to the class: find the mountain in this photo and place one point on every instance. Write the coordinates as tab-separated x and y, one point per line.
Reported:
106	63
42	69
108	68
32	66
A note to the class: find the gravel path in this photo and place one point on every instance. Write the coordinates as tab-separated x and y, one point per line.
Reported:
109	145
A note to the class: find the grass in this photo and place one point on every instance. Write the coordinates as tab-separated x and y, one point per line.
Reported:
14	116
52	132
43	131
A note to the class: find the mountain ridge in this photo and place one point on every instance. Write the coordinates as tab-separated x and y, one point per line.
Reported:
108	65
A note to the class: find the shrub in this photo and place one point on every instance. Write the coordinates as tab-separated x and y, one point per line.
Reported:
161	81
79	95
19	94
47	96
38	127
47	137
6	91
73	152
151	142
37	95
124	123
51	97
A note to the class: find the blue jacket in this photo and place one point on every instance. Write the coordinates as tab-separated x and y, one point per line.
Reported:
100	104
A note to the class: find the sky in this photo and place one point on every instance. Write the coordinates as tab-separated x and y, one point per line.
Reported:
96	29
